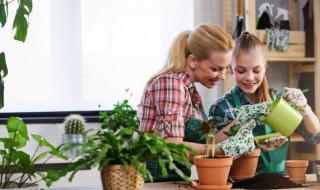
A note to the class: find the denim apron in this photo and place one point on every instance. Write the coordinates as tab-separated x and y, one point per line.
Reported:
271	161
191	135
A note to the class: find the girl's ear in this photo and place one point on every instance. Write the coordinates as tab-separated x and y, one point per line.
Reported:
191	61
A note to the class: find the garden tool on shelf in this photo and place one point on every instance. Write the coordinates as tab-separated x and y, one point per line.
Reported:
284	23
240	16
263	19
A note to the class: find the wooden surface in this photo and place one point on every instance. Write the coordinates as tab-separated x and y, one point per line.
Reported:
311	184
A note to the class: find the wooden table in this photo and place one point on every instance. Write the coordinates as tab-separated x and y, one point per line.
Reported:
311	183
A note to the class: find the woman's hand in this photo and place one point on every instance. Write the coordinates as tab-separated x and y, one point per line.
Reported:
296	98
241	143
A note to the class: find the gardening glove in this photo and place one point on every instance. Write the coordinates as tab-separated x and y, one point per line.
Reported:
296	99
247	112
272	143
241	143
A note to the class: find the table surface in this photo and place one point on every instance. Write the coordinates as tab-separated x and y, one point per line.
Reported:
311	183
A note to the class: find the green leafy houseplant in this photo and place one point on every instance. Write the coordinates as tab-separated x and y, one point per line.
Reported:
232	131
19	28
14	160
120	142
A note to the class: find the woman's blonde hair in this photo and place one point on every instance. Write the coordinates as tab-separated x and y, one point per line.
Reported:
247	43
201	42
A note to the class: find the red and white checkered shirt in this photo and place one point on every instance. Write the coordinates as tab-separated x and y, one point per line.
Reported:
167	105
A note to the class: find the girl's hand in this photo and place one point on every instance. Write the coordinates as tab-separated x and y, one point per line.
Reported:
247	112
296	98
272	143
241	143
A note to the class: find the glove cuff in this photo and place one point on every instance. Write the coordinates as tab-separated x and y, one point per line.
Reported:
306	111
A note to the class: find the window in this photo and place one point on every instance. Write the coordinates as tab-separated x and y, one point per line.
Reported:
82	54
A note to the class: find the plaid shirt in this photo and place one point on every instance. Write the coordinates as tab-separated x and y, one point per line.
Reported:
221	114
169	101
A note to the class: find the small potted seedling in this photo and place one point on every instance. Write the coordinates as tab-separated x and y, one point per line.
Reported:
74	126
212	169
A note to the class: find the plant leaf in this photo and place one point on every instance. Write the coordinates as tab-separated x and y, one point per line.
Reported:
20	23
3	73
17	130
3	12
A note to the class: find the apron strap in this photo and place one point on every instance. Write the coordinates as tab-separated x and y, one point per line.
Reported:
236	97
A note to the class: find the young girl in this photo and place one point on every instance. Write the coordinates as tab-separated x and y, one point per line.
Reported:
171	105
249	70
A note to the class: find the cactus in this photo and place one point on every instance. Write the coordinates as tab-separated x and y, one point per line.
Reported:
74	124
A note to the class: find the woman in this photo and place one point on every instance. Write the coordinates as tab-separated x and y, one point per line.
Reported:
171	105
249	70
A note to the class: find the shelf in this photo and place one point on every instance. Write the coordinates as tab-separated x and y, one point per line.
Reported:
292	59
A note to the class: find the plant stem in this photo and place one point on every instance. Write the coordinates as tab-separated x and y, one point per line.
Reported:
207	147
24	173
213	145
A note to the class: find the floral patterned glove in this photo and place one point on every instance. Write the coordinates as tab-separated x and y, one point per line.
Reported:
241	143
296	99
247	112
272	143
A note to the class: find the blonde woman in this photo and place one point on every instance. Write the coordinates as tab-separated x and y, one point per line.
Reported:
171	105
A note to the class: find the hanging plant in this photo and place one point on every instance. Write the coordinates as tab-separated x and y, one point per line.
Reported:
20	29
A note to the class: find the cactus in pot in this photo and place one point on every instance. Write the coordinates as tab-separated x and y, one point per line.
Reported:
74	126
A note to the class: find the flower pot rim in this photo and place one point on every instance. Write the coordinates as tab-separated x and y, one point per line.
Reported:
297	163
219	157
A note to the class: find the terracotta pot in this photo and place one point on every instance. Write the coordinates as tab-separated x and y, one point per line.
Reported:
213	171
297	170
245	166
215	187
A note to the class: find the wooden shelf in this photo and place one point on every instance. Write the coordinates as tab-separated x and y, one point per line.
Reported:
291	59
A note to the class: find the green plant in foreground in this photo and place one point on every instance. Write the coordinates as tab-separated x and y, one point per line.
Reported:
120	142
14	160
232	131
74	124
19	28
209	133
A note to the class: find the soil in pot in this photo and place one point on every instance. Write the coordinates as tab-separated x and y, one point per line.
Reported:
266	181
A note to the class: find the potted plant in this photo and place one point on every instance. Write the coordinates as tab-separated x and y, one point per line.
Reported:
213	170
119	151
17	168
19	29
246	165
74	127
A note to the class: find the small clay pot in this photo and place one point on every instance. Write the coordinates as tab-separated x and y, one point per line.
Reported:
297	170
215	187
245	166
213	171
